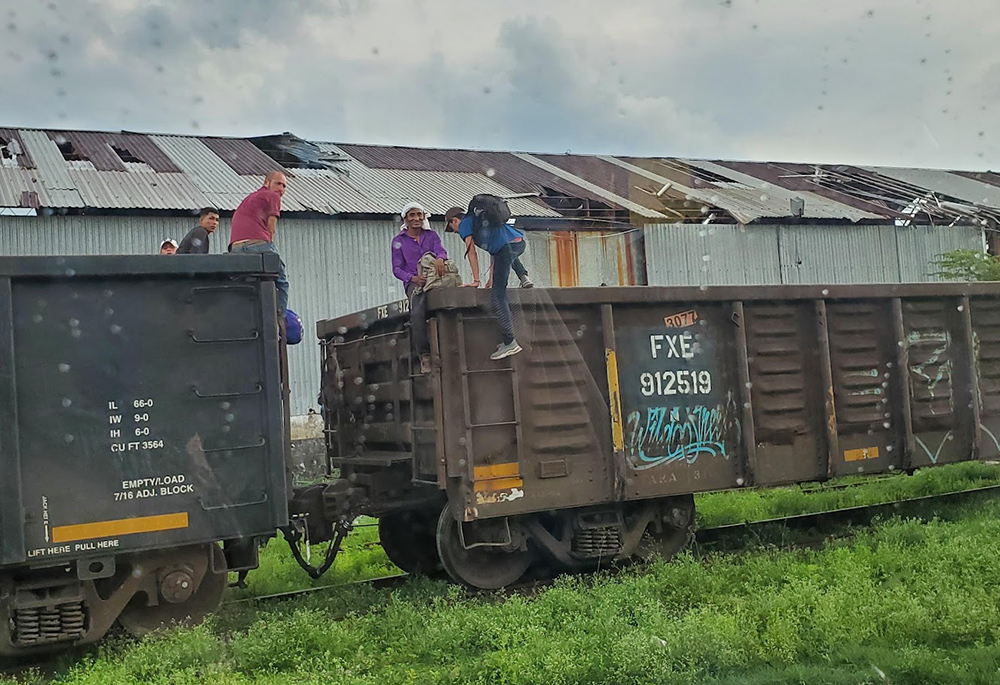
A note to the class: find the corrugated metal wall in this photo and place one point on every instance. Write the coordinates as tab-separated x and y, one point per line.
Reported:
334	267
682	254
340	266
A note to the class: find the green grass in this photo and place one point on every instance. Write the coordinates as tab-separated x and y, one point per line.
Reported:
362	556
738	506
903	602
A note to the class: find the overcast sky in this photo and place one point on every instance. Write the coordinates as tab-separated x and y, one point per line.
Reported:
891	82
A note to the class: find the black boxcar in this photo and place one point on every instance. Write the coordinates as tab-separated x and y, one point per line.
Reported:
626	401
142	421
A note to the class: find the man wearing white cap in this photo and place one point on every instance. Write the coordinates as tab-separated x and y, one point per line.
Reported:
168	246
414	240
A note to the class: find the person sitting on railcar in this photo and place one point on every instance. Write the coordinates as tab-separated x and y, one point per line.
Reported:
414	240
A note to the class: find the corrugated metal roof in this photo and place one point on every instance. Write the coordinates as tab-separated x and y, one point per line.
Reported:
503	167
438	191
600	192
186	172
52	171
947	183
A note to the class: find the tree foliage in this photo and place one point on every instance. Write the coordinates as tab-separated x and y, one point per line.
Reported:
968	265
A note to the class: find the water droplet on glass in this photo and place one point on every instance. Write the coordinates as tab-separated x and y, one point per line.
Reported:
64	367
68	438
764	198
70	273
226	429
825	292
888	448
892	467
74	323
37	318
705	257
358	380
749	384
739	481
703	288
961	308
67	402
702	233
461	462
115	329
75	333
491	172
886	424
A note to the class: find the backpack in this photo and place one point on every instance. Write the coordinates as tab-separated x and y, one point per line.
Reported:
293	328
488	213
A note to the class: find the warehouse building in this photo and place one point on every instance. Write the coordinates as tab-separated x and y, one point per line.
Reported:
591	220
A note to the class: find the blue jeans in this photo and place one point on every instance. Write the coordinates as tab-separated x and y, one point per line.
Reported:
502	263
282	283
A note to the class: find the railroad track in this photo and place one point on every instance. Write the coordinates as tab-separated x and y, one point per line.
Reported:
800	530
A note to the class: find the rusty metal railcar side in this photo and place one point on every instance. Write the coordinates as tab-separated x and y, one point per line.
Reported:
632	395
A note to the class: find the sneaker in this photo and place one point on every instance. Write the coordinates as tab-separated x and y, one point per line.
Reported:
425	363
506	350
527	283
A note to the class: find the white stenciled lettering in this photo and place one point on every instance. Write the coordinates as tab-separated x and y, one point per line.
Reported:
679	346
683	382
115	419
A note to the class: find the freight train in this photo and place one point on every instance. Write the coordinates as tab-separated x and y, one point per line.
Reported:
145	434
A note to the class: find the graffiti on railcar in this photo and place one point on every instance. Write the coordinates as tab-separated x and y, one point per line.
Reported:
656	436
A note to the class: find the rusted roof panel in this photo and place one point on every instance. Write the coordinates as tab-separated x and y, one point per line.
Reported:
242	156
438	191
503	167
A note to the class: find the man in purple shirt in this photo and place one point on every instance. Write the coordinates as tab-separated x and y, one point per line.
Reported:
254	224
414	240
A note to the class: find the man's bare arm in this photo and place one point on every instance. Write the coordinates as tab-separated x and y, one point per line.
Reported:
470	252
272	225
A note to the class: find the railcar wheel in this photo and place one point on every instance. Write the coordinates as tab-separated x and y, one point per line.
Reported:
176	603
408	538
666	537
486	568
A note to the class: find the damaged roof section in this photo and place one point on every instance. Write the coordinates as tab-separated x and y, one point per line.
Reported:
89	170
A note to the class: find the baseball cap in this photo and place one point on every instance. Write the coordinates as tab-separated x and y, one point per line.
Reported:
168	240
451	214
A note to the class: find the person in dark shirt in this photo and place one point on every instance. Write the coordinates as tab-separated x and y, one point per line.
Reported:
196	241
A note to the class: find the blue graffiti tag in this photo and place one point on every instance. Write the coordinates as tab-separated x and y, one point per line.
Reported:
673	434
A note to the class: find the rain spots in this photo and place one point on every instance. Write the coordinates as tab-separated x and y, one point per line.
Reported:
76	333
825	292
358	380
63	367
74	323
491	172
961	308
740	481
886	425
68	438
115	329
230	418
37	318
224	405
67	403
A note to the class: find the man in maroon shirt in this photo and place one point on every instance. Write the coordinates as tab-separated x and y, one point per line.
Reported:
254	224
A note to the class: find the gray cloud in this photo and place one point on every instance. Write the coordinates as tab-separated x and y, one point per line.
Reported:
859	82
